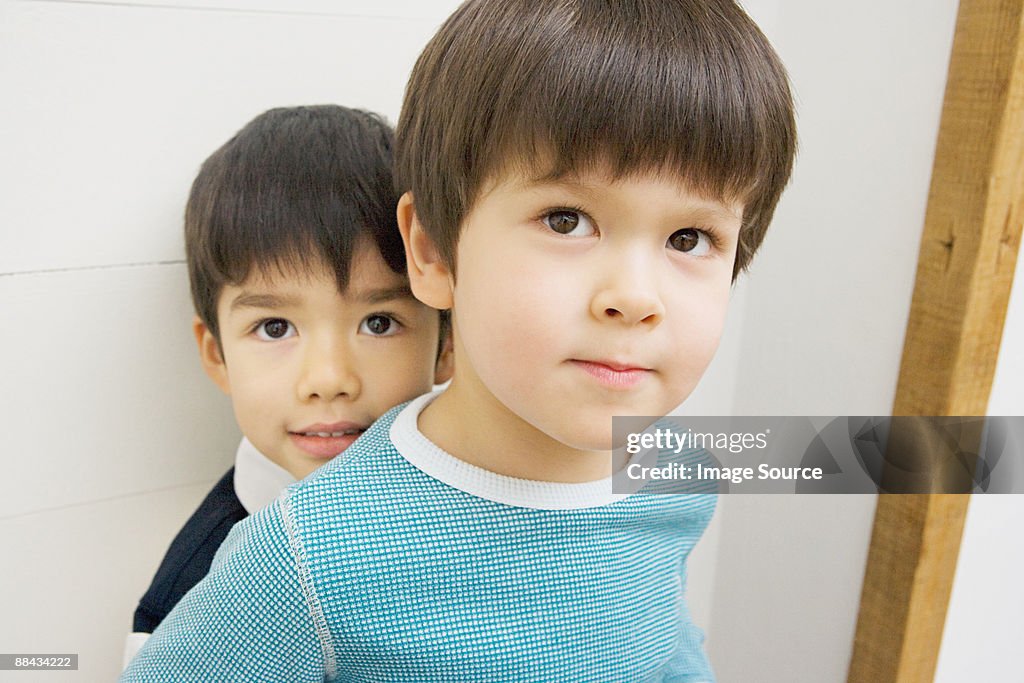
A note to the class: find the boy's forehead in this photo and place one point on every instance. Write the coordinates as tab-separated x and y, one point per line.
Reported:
284	278
284	285
535	160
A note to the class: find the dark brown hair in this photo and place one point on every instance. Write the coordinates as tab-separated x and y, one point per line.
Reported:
294	186
690	87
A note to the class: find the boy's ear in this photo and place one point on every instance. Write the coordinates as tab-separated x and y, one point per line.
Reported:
429	278
210	355
445	367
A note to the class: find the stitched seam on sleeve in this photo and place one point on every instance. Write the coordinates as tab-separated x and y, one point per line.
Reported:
316	611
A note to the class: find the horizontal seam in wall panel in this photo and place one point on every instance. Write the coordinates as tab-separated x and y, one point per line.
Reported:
98	501
79	269
231	10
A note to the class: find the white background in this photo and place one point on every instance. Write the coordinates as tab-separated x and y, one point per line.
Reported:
113	435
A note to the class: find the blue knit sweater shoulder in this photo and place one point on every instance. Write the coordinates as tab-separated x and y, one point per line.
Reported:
398	562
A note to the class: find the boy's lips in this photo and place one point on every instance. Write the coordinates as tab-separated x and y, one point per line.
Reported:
322	440
611	373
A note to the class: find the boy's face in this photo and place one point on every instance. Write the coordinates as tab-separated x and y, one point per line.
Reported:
581	299
308	368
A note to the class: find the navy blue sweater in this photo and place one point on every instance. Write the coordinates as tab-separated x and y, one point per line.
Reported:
188	559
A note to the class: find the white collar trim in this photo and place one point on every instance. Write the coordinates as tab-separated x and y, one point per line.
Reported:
258	480
429	458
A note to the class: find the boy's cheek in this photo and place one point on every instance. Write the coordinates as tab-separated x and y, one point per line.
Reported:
695	326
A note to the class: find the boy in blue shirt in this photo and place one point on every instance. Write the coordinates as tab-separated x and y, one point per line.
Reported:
304	314
582	181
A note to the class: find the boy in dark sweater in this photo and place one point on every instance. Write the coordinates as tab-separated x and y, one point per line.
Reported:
304	313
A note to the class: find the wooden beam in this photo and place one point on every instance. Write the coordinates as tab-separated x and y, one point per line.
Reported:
973	221
965	271
914	548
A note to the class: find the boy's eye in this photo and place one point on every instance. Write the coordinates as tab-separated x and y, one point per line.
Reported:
690	241
568	222
275	328
379	325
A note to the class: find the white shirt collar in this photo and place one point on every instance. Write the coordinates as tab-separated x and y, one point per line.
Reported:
432	460
258	481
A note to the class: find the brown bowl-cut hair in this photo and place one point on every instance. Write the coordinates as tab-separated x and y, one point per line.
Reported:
687	87
295	188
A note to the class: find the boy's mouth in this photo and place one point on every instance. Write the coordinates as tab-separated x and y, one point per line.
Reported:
331	434
612	374
325	441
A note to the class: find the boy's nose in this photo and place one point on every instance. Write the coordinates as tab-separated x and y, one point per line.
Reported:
629	296
328	373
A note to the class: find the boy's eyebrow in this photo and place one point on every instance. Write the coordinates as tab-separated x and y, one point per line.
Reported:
251	300
567	183
720	211
711	208
382	294
370	296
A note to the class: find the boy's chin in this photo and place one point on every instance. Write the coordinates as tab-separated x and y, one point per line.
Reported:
605	437
594	440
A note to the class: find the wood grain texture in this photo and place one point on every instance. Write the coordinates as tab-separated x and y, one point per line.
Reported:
911	563
965	271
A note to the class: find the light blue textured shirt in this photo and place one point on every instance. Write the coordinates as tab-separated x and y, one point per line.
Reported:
399	562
